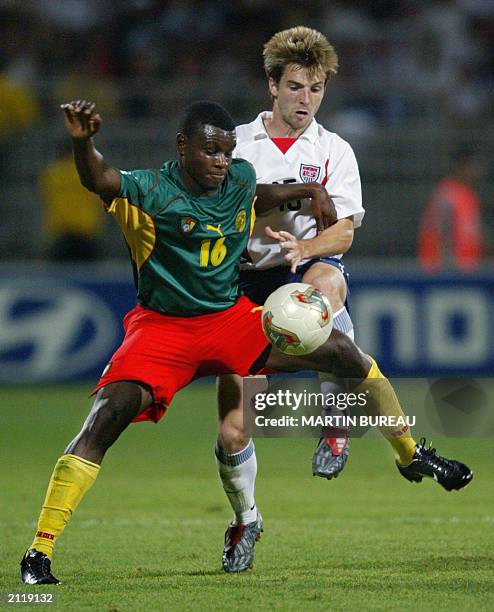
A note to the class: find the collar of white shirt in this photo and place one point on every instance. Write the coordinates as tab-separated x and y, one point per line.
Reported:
260	132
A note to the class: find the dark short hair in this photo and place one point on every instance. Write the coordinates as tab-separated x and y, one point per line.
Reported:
206	113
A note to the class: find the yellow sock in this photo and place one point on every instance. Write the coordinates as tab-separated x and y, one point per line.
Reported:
387	404
71	478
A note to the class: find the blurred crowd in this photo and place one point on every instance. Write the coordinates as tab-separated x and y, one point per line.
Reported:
415	76
401	60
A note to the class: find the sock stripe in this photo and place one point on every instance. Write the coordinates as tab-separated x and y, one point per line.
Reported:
234	459
342	321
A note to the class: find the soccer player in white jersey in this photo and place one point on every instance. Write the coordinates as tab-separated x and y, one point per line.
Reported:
287	145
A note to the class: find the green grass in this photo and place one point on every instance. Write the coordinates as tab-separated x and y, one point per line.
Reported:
148	536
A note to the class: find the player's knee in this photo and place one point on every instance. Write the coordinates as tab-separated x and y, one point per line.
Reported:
113	409
106	420
332	284
232	436
336	296
101	428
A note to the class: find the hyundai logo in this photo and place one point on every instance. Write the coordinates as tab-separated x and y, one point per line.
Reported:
52	331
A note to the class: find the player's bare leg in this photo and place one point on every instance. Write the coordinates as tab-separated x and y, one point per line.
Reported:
76	470
332	450
113	410
330	281
230	414
237	469
341	356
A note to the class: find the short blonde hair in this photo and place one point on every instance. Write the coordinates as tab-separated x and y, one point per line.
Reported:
302	46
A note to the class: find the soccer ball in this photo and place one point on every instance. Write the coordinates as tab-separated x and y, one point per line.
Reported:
297	318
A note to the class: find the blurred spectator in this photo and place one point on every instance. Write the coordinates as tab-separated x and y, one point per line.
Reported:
73	217
412	73
75	15
450	231
91	71
132	55
19	111
18	107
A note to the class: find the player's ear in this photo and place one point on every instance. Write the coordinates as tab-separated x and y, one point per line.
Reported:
181	144
273	88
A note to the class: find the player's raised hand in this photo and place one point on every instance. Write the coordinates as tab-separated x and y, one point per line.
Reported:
293	248
81	119
323	209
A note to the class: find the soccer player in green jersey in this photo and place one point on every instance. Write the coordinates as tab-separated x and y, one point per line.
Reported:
186	226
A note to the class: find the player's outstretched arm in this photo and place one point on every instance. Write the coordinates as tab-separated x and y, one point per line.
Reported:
82	122
273	195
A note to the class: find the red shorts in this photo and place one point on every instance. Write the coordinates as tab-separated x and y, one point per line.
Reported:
166	353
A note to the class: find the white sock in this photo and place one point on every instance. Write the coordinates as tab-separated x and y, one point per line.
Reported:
237	472
343	322
329	385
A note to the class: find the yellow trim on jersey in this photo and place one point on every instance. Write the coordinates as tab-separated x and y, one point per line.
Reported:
256	308
137	227
252	216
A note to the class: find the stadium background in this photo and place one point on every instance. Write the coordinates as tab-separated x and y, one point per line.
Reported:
415	83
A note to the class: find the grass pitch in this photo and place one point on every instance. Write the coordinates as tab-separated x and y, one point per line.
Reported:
148	536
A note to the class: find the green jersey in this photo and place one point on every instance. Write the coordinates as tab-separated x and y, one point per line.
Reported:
186	249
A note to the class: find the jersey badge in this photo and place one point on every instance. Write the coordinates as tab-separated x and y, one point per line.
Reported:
187	225
241	221
308	173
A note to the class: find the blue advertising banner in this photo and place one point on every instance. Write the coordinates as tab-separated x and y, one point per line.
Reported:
425	326
62	325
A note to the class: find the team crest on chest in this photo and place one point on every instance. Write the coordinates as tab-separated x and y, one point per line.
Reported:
309	173
187	224
240	221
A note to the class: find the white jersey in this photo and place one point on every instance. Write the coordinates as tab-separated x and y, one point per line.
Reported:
316	155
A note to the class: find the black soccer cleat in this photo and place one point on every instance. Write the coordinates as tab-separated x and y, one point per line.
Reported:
36	568
450	474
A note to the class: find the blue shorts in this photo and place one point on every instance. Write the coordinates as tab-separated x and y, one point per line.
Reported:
258	284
